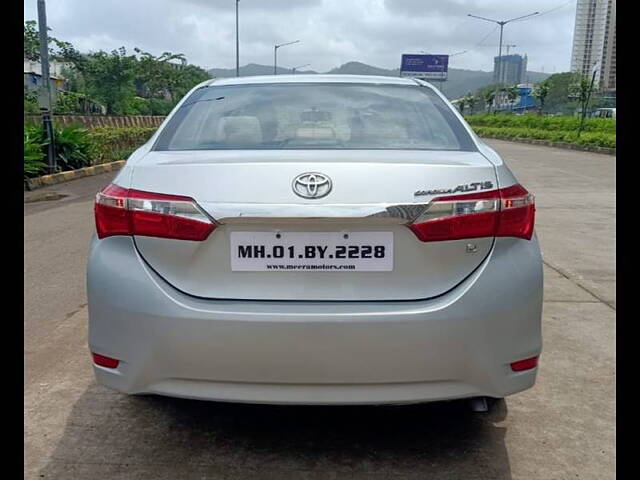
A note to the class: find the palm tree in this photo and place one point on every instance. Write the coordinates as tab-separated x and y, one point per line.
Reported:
471	101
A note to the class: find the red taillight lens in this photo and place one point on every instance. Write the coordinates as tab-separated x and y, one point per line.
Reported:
103	361
526	364
112	216
508	212
119	211
517	213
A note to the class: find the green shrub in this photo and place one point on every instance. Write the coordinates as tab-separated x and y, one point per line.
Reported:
68	103
77	147
603	125
598	132
140	106
160	107
73	147
595	139
33	151
30	102
115	143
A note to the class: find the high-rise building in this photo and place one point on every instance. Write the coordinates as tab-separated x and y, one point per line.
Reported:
594	41
514	69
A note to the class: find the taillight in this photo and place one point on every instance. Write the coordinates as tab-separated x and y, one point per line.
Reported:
508	212
104	361
526	364
121	211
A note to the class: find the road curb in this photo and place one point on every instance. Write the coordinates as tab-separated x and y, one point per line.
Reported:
55	178
548	143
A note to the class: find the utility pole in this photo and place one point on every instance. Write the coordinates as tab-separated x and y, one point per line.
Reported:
275	54
237	43
45	89
502	23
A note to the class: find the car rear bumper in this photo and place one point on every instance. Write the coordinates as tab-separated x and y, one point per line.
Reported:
458	345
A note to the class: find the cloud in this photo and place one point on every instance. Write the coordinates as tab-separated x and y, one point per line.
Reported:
264	5
332	32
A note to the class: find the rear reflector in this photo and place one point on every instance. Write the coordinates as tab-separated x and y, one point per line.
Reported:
508	212
103	361
120	211
526	364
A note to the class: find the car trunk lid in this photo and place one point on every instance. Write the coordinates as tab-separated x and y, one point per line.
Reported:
374	195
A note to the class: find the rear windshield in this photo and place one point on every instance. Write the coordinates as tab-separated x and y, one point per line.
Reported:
314	116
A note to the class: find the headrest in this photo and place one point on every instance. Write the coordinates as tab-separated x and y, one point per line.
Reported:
241	129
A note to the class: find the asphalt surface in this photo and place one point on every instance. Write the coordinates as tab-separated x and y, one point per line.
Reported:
563	428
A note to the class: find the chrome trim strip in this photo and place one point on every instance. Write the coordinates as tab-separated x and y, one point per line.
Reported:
234	213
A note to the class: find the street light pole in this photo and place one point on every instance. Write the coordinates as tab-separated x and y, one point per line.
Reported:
500	56
448	55
293	70
502	23
45	89
275	55
237	43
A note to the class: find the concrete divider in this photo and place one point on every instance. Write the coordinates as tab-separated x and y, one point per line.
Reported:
98	121
55	178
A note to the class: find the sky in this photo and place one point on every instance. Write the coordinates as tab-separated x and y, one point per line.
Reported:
331	32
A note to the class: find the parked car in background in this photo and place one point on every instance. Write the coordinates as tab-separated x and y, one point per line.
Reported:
604	113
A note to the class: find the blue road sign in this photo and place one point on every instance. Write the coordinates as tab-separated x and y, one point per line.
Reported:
424	66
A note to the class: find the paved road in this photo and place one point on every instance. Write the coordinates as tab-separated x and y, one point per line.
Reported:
564	428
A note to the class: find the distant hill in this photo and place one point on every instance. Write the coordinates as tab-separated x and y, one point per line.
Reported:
251	70
459	83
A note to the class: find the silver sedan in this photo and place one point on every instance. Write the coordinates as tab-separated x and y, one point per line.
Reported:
315	239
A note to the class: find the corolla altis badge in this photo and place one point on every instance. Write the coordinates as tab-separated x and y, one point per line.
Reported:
467	187
312	185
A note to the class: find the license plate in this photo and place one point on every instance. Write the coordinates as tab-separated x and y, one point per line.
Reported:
311	251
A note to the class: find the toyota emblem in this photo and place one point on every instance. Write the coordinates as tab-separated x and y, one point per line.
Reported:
312	185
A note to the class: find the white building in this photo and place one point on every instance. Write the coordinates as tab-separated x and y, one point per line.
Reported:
33	74
594	40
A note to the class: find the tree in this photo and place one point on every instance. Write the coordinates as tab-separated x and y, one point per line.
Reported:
489	97
471	101
163	78
541	91
65	51
158	75
581	90
190	76
461	104
558	99
512	94
109	79
31	41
